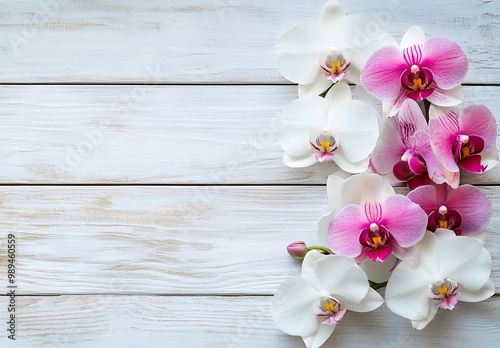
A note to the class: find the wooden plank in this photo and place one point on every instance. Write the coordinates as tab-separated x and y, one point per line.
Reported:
209	322
165	240
158	134
200	41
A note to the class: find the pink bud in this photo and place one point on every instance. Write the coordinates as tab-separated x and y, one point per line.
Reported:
297	249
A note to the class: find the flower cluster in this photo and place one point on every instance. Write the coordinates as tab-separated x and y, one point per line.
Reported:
426	247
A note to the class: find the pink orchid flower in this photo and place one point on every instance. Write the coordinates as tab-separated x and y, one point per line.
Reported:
378	229
404	148
420	68
467	140
465	210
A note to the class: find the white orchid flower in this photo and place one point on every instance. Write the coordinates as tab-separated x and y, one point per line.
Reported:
312	304
451	268
317	54
335	128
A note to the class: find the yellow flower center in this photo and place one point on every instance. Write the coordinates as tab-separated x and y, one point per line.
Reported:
325	144
335	65
377	240
330	306
465	151
443	290
417	83
443	223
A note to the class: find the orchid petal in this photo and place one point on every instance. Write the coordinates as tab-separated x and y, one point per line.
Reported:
316	87
379	272
389	148
298	52
339	93
443	130
409	255
407	296
478	120
446	60
370	302
405	220
482	294
320	336
292	307
414	35
334	185
323	225
344	230
410	113
446	98
308	270
421	324
420	180
307	265
423	144
425	197
382	72
295	142
347	280
357	130
473	205
489	159
452	178
350	167
305	160
417	166
332	12
471	268
402	171
366	187
472	164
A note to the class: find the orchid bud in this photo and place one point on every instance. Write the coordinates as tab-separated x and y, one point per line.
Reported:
297	249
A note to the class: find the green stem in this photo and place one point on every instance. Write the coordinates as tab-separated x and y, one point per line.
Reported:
322	95
320	248
376	286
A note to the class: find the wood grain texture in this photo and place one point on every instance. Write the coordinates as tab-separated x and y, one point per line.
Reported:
159	134
165	240
207	41
229	322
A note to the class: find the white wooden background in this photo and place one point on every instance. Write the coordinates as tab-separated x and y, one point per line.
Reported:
141	174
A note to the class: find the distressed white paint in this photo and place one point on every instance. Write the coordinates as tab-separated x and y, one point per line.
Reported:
232	322
206	40
165	240
158	134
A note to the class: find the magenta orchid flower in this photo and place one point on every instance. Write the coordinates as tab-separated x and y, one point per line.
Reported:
420	68
318	54
451	268
467	140
357	189
404	148
377	229
464	210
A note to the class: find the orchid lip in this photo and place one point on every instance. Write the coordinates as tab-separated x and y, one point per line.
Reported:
467	145
328	307
323	146
376	242
335	64
444	217
444	292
